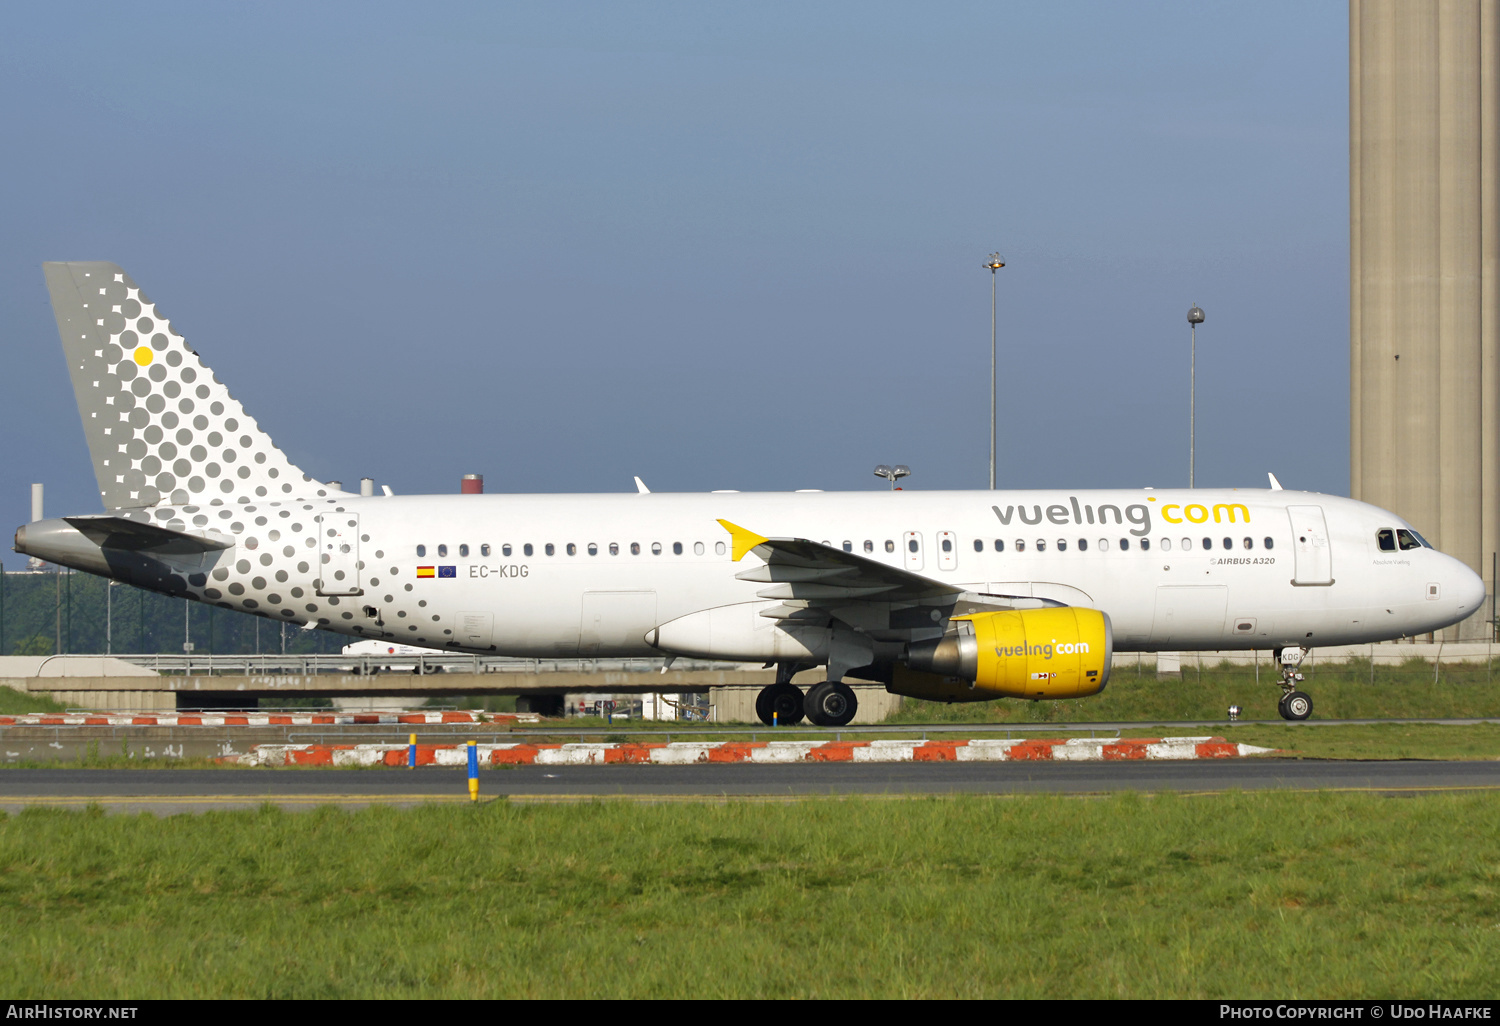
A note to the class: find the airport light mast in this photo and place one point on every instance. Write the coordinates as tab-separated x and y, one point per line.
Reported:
1195	318
994	264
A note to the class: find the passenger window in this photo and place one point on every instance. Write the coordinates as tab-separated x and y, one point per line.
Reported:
890	546
505	549
1062	545
442	550
1249	543
911	546
1103	544
593	549
999	545
1145	544
677	548
1385	538
1165	544
549	549
697	548
1187	545
947	545
1041	545
1407	539
572	549
848	545
421	551
1020	545
463	550
1083	544
635	548
1208	543
869	545
719	548
484	550
527	549
1124	544
1229	543
614	548
1270	543
656	548
978	545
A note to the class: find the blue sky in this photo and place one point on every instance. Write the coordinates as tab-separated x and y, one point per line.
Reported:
718	247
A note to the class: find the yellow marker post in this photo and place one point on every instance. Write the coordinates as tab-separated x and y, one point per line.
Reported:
473	771
411	752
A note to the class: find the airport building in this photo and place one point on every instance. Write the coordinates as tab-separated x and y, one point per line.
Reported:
1424	119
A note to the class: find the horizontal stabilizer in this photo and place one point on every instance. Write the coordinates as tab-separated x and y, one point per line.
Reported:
134	536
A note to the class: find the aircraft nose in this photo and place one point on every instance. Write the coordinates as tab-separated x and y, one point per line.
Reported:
1467	587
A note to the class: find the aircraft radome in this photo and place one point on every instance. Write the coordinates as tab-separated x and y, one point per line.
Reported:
947	595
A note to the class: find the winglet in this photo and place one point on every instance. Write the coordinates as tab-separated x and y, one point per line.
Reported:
1275	484
640	487
744	540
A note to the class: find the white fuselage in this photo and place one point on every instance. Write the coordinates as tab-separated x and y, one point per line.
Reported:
1169	567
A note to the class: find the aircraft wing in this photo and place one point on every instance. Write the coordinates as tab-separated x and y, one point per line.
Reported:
812	581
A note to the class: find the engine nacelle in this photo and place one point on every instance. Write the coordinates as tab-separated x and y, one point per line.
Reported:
1027	653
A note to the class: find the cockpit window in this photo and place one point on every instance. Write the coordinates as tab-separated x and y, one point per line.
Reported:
1411	540
1385	538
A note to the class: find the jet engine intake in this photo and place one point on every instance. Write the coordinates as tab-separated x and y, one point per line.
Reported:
1028	653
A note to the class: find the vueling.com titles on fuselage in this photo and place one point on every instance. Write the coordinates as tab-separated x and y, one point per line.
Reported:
1137	514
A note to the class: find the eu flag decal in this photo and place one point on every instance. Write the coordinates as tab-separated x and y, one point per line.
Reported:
447	571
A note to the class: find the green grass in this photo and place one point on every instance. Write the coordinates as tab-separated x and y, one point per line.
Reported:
13	703
1243	895
1339	691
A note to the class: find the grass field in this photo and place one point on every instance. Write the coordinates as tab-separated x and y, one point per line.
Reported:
1242	895
13	702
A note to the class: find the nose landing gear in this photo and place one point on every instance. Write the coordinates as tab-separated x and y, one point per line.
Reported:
1294	704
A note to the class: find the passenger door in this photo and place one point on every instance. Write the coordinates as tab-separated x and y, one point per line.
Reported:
1312	554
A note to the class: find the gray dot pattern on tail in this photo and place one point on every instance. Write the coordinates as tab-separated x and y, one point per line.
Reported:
180	436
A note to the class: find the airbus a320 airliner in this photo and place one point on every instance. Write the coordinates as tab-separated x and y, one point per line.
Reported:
953	596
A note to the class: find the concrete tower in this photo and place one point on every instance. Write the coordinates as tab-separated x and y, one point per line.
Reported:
1424	253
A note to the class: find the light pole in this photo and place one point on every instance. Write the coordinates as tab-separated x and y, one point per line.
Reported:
994	264
1195	318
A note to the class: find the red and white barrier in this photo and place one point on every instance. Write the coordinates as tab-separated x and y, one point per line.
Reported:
341	719
682	753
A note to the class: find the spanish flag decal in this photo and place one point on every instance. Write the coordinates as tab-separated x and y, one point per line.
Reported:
425	571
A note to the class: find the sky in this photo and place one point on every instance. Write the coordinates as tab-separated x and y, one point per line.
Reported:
714	246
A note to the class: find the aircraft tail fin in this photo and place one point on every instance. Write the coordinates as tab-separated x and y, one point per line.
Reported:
161	428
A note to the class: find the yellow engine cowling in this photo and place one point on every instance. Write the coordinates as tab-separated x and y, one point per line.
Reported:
1028	653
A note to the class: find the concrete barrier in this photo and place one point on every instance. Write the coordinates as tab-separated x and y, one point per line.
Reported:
679	753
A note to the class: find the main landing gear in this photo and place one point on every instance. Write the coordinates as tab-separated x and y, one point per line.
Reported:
828	704
1294	704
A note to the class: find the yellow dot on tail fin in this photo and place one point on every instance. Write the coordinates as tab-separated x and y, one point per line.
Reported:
744	540
143	355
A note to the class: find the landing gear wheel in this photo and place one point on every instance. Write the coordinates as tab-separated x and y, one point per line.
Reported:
1281	708
831	705
1296	706
785	700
